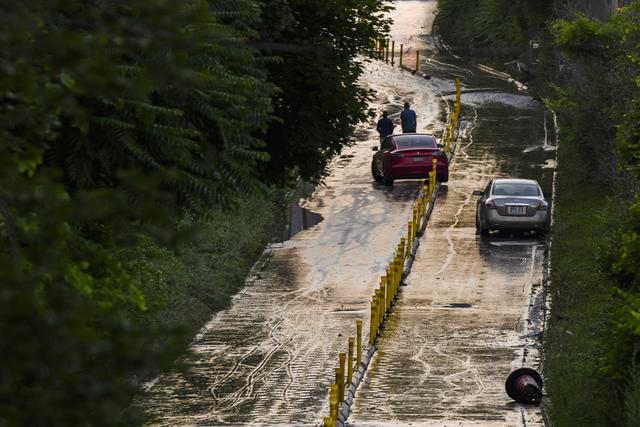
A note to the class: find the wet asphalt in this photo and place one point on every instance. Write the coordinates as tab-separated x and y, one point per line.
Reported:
470	311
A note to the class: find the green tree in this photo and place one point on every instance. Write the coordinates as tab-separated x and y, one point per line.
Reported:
500	27
319	47
115	118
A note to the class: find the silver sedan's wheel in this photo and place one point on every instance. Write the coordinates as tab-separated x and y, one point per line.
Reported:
483	231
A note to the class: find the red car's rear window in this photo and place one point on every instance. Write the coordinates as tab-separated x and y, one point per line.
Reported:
411	141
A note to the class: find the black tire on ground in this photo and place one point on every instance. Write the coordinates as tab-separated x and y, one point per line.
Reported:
387	181
546	229
480	229
374	172
443	177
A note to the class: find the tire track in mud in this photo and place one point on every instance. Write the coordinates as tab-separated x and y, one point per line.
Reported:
468	370
260	371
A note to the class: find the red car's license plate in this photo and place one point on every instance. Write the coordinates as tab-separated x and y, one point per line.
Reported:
418	159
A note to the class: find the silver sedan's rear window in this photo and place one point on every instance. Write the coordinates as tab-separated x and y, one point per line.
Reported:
515	189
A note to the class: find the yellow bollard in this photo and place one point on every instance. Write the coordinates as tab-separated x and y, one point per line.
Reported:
435	162
409	236
343	358
384	295
380	313
401	48
358	343
425	191
398	267
446	141
393	52
458	93
433	180
333	403
326	422
384	289
350	361
393	286
390	276
398	274
373	327
417	61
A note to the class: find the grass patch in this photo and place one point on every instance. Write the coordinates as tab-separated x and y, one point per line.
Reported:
184	286
579	331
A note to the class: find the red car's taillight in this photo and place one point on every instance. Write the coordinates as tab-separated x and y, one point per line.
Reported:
543	206
397	155
490	204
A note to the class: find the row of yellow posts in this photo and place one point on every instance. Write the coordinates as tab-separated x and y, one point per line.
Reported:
450	131
344	374
382	301
385	295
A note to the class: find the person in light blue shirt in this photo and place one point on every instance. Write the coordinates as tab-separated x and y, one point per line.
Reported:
408	119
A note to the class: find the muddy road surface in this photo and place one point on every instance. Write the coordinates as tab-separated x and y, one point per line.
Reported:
269	359
462	322
472	310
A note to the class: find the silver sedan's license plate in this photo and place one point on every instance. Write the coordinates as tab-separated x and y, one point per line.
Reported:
516	210
418	159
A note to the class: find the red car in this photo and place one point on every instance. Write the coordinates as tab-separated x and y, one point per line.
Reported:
408	156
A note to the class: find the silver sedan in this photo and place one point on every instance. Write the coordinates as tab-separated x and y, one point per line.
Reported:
512	204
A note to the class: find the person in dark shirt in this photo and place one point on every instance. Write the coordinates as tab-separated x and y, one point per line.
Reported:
385	126
408	119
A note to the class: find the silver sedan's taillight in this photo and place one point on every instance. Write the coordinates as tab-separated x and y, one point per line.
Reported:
543	206
490	204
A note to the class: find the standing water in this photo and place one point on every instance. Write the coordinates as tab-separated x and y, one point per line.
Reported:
270	357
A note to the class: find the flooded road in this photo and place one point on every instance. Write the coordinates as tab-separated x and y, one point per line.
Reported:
472	308
462	322
269	359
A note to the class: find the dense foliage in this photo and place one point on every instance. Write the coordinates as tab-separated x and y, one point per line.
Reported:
597	95
500	28
122	125
320	100
606	57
